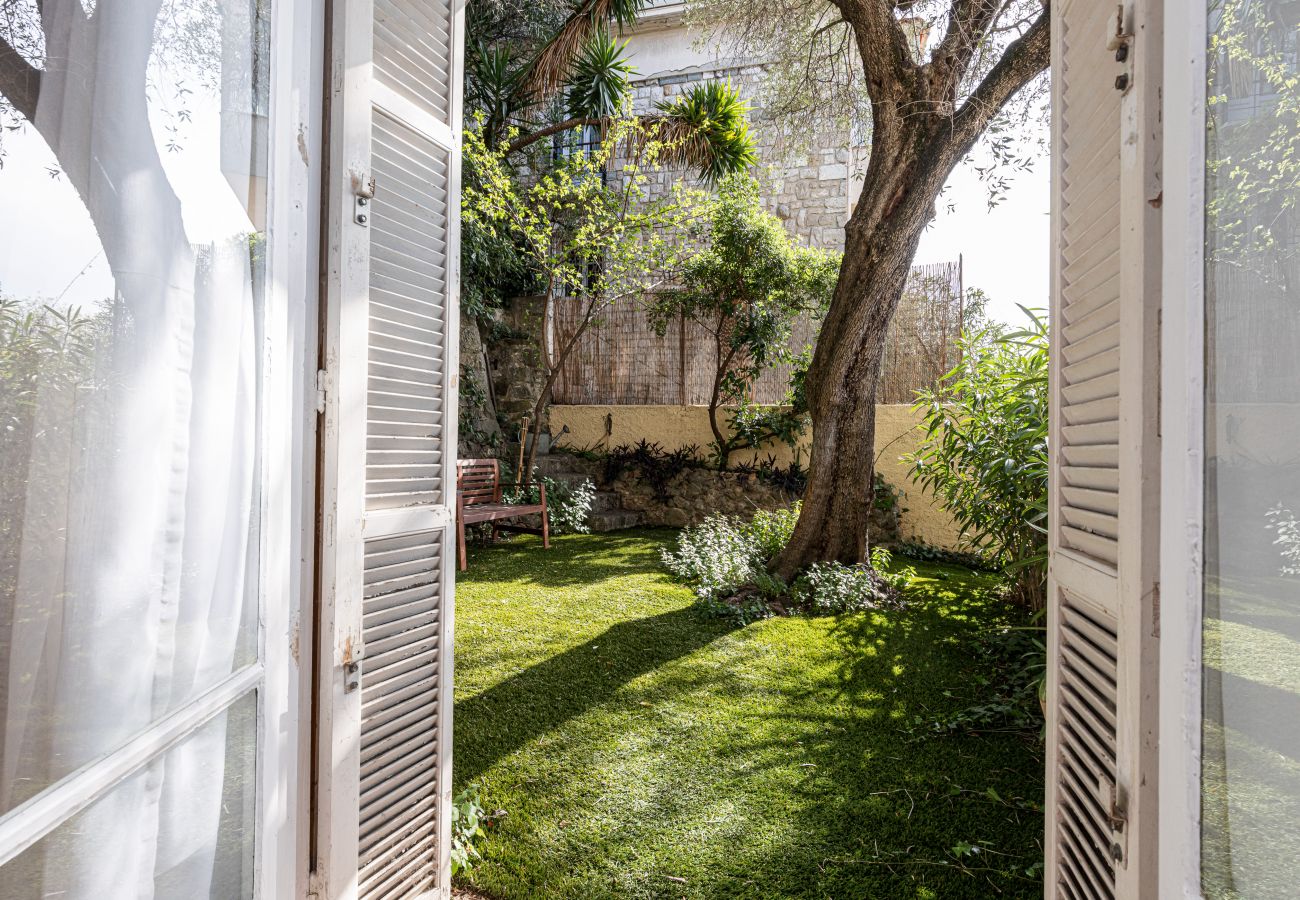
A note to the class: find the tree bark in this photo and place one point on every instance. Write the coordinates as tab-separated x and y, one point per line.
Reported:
843	380
917	140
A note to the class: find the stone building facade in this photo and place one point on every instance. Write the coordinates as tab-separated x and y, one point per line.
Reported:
811	190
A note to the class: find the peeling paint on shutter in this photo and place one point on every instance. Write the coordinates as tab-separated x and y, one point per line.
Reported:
1103	535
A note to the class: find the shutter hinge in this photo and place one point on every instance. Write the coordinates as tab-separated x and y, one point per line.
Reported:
365	192
1121	42
1115	800
322	379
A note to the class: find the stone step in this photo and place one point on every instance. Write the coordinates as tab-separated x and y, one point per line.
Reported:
568	478
605	501
613	520
554	464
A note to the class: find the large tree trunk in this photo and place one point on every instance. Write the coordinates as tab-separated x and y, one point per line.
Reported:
880	242
837	503
918	137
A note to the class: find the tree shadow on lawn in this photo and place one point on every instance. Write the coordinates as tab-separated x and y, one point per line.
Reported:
816	786
874	805
574	559
509	715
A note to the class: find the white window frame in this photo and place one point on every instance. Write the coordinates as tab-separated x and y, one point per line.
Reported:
1183	450
284	523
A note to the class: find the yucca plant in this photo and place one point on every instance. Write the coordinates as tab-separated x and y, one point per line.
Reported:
598	85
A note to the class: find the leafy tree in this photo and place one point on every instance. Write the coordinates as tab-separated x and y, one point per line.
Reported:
594	241
745	289
532	74
925	79
985	449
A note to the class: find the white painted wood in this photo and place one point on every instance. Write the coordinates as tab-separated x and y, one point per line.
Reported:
451	379
1183	463
1104	506
289	420
342	493
391	329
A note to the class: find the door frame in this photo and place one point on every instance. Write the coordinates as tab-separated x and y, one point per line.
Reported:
344	267
1183	449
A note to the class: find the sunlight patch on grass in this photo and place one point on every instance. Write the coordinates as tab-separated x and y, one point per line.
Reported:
642	750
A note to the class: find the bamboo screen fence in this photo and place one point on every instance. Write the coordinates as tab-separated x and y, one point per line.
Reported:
620	361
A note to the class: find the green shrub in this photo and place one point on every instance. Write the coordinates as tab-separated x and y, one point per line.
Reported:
725	560
467	820
569	505
724	554
985	450
828	588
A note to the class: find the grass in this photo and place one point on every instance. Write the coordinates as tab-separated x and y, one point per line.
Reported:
642	750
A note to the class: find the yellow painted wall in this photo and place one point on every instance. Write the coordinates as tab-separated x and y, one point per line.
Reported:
672	427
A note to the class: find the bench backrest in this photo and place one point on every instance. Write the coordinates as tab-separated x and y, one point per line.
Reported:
478	481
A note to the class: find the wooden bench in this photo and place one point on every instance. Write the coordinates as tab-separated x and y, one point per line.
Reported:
478	499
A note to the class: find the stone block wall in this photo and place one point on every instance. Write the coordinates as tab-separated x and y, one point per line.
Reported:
810	190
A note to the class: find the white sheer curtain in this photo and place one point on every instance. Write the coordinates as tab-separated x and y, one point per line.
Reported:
133	557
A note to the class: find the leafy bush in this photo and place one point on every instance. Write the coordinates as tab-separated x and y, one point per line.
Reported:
569	504
985	450
831	587
725	560
656	465
745	288
467	820
724	554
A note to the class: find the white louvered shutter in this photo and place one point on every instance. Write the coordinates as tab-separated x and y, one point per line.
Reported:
390	424
1104	494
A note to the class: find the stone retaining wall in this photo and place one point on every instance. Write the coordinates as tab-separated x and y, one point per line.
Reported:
603	428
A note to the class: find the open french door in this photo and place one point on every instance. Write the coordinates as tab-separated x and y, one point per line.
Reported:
1103	599
388	399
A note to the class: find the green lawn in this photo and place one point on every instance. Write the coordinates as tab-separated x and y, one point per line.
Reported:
642	750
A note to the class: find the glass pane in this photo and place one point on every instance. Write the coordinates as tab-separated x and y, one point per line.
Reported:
1251	764
180	829
131	279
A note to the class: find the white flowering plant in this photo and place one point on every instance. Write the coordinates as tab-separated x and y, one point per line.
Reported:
725	558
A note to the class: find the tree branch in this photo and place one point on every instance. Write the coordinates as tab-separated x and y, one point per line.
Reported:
523	141
887	63
20	81
886	54
1024	59
968	23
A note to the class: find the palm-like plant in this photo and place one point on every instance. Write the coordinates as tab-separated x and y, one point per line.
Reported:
550	70
598	84
494	89
585	64
711	126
